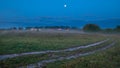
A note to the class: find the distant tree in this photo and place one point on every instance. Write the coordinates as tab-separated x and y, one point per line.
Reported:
91	27
117	28
20	28
14	28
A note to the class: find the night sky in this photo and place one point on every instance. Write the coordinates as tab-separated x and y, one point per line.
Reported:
14	11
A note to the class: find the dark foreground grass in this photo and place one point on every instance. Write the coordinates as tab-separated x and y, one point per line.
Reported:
109	58
21	61
15	42
19	42
30	59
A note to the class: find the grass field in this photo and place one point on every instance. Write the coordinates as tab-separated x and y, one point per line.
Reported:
20	42
106	59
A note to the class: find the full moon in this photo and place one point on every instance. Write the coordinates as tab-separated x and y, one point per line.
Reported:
65	5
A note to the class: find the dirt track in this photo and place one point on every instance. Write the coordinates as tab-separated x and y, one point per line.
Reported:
2	57
41	63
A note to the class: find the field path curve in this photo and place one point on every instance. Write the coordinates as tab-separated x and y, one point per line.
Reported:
2	57
41	63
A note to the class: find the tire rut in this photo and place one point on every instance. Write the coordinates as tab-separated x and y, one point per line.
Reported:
3	57
41	63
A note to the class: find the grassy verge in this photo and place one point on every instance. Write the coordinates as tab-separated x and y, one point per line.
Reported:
20	61
106	59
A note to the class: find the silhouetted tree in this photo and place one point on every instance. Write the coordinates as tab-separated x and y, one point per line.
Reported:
14	28
91	27
117	28
20	28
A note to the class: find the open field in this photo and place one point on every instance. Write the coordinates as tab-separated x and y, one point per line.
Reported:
18	42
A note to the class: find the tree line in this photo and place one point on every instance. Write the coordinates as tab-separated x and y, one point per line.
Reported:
96	28
44	27
86	28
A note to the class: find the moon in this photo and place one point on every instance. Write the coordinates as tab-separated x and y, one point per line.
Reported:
65	5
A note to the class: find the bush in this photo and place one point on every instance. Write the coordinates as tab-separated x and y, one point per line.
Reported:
117	28
91	27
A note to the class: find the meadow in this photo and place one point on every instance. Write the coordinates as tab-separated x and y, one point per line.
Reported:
19	42
109	58
12	42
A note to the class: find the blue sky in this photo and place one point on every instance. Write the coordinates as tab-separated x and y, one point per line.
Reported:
75	8
18	10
